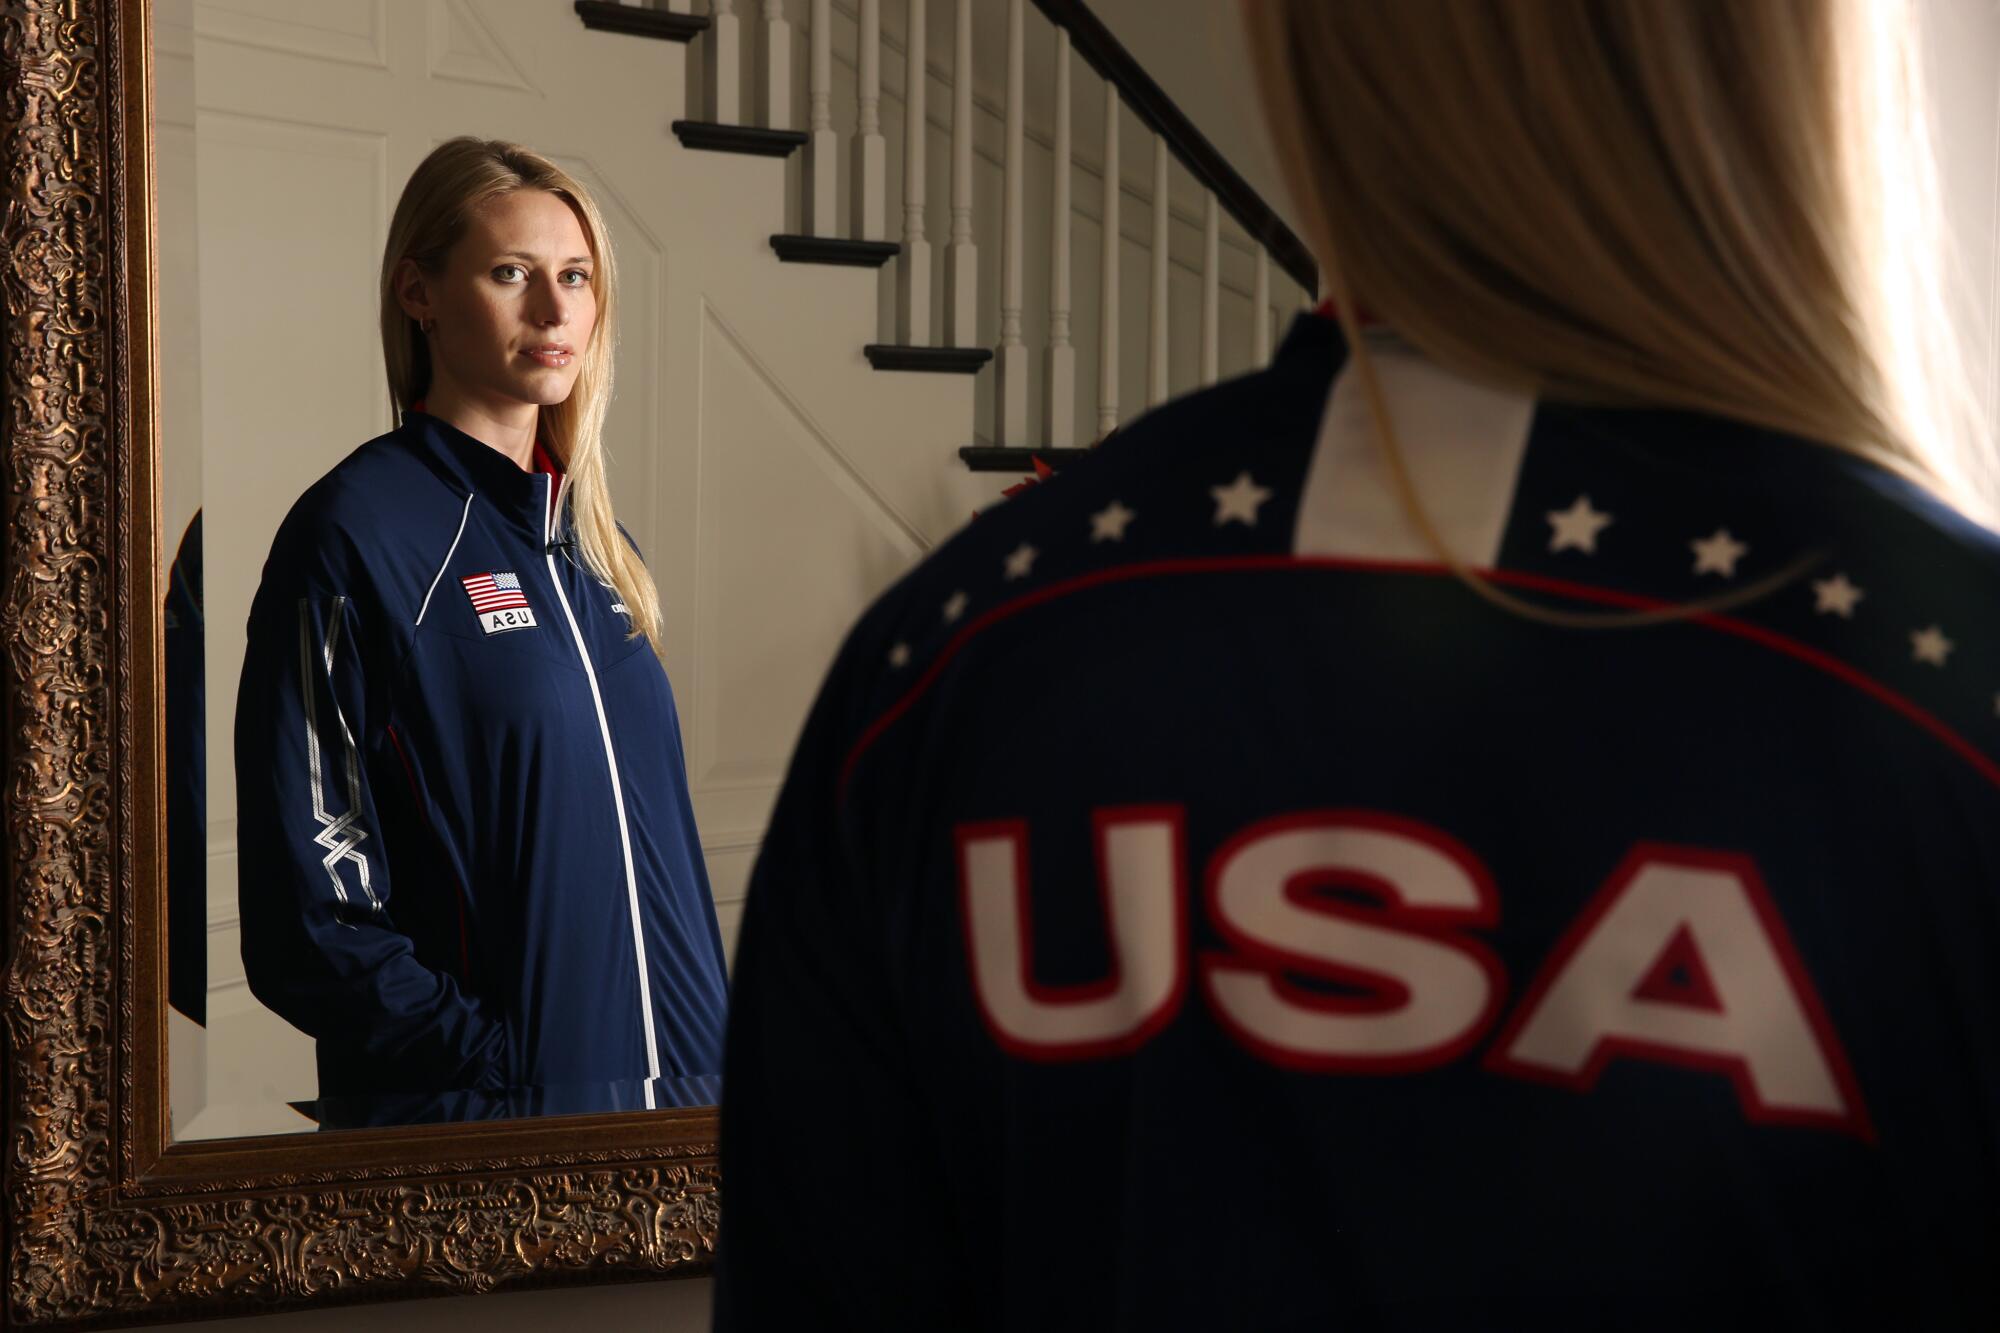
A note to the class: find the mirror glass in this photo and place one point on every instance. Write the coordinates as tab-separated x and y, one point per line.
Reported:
425	897
529	899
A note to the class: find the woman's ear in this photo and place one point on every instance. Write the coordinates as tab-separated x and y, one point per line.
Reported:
411	292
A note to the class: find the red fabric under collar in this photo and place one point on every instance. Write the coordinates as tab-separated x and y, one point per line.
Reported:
1325	310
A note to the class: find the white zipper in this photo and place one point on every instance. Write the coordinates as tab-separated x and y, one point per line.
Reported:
617	795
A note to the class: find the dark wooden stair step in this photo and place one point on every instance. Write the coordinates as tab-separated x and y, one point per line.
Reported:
795	249
1006	458
752	139
605	16
939	360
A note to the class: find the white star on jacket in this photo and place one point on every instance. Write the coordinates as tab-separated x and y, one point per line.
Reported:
899	656
954	606
1108	523
1021	561
1718	554
1238	501
1836	597
1576	527
1930	645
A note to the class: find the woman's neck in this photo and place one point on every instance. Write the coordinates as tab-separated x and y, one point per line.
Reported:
507	427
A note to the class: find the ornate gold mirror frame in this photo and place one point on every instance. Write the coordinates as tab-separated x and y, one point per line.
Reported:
106	1220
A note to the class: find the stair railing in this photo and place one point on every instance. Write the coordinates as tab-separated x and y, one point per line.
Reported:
1127	87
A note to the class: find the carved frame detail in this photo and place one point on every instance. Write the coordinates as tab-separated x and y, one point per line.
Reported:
106	1221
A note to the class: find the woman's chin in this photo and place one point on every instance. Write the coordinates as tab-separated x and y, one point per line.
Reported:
544	390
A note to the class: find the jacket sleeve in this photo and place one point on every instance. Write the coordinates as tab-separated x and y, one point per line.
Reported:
822	1109
313	883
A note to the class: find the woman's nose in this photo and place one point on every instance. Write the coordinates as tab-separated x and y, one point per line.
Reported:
550	307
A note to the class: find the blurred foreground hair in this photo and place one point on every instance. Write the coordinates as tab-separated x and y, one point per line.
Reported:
1729	208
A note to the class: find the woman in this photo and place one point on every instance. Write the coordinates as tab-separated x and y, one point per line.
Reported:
467	855
1507	831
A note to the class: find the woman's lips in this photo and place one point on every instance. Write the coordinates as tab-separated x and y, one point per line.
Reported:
551	359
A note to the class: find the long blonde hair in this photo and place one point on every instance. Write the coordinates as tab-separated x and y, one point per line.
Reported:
1731	208
446	188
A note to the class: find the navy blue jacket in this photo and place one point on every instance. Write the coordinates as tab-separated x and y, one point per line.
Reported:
1191	907
467	858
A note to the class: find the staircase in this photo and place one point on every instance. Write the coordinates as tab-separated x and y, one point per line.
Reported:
957	348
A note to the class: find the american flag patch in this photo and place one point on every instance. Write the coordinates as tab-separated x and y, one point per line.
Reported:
498	601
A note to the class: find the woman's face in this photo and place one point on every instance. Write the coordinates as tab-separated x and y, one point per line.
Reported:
514	308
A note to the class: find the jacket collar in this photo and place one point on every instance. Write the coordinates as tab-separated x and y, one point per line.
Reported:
473	465
1314	336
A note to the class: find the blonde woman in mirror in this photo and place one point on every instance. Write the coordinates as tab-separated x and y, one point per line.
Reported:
1503	831
468	857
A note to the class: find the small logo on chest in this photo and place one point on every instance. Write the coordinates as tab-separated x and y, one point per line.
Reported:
498	601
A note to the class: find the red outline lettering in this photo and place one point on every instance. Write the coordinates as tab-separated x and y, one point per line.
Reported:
1855	1119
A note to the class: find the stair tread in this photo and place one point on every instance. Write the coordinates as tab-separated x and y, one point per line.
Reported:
608	16
798	249
1016	458
751	139
943	360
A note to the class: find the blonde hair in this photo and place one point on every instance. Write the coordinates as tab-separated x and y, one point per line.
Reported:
1730	208
450	184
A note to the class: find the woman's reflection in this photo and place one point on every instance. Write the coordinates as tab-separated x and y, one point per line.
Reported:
468	858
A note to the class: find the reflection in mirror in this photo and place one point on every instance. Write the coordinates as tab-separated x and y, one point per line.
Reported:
775	480
432	853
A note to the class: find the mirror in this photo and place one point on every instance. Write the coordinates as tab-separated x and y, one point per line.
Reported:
285	131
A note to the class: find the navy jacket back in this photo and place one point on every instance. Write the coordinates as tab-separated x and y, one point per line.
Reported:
1213	914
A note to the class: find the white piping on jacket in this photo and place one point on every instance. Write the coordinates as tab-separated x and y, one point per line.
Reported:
463	514
617	799
343	835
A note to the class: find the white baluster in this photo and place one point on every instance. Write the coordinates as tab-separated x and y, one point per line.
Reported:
822	168
961	260
1010	362
1107	295
1059	359
870	183
1211	289
722	64
777	67
1260	311
1156	315
913	274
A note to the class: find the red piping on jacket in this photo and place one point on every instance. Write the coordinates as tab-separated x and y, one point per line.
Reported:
1325	310
1770	639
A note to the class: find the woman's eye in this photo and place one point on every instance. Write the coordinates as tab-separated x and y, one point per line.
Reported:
582	278
502	272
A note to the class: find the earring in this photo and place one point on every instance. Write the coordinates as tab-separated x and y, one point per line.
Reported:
426	324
